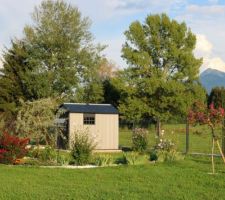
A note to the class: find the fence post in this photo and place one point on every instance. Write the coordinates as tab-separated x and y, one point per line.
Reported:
158	128
187	136
223	137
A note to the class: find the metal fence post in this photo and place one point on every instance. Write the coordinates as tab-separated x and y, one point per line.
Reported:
187	136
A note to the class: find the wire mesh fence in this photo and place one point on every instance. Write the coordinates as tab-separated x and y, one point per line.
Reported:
199	140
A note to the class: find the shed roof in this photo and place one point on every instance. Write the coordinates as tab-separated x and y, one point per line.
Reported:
90	108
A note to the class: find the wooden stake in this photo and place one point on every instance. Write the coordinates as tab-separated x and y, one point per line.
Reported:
221	152
213	166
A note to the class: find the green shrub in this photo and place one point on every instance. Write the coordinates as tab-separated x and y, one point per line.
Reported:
48	156
132	158
153	155
139	139
103	160
169	156
82	147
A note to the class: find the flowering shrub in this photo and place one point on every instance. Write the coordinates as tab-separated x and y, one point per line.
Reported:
201	115
165	145
140	139
12	148
165	151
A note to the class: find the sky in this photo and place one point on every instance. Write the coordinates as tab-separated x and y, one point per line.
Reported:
110	18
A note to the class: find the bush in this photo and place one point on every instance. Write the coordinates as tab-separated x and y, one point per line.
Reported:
12	148
48	156
140	139
165	151
132	158
153	155
169	156
165	145
103	160
82	147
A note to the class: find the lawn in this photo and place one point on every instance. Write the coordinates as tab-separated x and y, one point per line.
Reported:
188	179
200	137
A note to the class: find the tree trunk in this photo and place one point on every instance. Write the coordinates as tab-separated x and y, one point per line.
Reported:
158	128
187	136
213	166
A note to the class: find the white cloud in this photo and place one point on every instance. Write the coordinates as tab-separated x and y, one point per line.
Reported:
207	9
111	9
204	48
214	63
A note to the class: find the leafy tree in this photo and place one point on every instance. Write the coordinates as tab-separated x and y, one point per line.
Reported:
55	58
162	73
36	120
108	72
18	80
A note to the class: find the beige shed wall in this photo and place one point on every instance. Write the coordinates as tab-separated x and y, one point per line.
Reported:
105	131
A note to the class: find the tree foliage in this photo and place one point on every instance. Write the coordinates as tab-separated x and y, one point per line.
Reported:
55	58
162	75
36	120
217	97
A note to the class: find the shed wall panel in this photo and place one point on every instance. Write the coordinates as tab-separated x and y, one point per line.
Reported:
105	131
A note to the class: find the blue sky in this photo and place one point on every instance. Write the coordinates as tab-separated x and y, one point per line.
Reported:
110	18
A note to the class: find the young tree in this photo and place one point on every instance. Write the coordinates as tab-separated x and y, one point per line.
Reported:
217	97
212	117
162	71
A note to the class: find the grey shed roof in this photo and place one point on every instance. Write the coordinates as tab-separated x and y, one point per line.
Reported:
90	108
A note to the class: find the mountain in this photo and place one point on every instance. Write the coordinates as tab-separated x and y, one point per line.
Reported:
211	78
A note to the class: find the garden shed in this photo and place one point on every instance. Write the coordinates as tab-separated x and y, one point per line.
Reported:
101	121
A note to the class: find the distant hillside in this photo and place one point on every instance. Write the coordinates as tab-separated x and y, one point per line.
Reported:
211	78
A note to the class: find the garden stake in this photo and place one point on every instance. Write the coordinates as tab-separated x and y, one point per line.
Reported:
221	152
213	166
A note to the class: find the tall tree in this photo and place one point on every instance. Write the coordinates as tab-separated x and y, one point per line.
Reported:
55	58
162	73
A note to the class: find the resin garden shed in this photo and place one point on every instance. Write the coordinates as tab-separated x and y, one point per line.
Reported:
101	121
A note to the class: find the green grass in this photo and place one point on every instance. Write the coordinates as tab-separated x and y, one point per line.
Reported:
188	179
198	143
184	180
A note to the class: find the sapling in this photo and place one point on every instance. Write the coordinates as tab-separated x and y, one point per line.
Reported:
212	117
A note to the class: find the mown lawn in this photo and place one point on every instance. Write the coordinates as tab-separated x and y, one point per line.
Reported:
200	138
188	179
